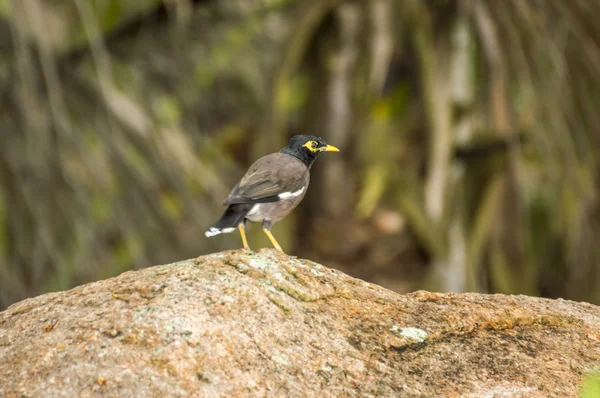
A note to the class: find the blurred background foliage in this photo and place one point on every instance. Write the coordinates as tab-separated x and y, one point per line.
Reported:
469	133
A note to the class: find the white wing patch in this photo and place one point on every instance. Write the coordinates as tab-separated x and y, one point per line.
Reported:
254	210
286	195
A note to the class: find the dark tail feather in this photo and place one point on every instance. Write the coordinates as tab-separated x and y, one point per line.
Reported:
229	221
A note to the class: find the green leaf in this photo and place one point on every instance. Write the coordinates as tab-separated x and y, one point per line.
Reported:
591	386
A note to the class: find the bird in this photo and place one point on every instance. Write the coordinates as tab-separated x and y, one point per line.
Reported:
271	188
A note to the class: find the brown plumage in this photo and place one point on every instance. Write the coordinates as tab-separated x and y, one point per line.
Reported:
268	177
271	188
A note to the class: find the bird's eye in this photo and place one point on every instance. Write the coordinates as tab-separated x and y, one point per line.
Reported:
314	144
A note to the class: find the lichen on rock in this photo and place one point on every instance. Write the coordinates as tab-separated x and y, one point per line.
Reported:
241	323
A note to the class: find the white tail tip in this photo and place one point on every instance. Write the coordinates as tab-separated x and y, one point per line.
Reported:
216	231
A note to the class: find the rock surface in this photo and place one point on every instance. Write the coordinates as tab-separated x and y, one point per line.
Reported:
237	324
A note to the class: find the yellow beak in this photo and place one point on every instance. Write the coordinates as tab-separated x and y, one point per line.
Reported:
329	148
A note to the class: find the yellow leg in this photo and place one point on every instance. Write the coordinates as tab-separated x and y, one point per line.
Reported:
242	230
273	240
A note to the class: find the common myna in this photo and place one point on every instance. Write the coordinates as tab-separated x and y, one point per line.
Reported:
272	187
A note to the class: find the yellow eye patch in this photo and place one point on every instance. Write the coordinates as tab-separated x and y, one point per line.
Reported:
312	146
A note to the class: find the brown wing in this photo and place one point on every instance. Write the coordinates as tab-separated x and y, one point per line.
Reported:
268	177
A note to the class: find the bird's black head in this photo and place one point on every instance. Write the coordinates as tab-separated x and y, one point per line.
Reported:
307	148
